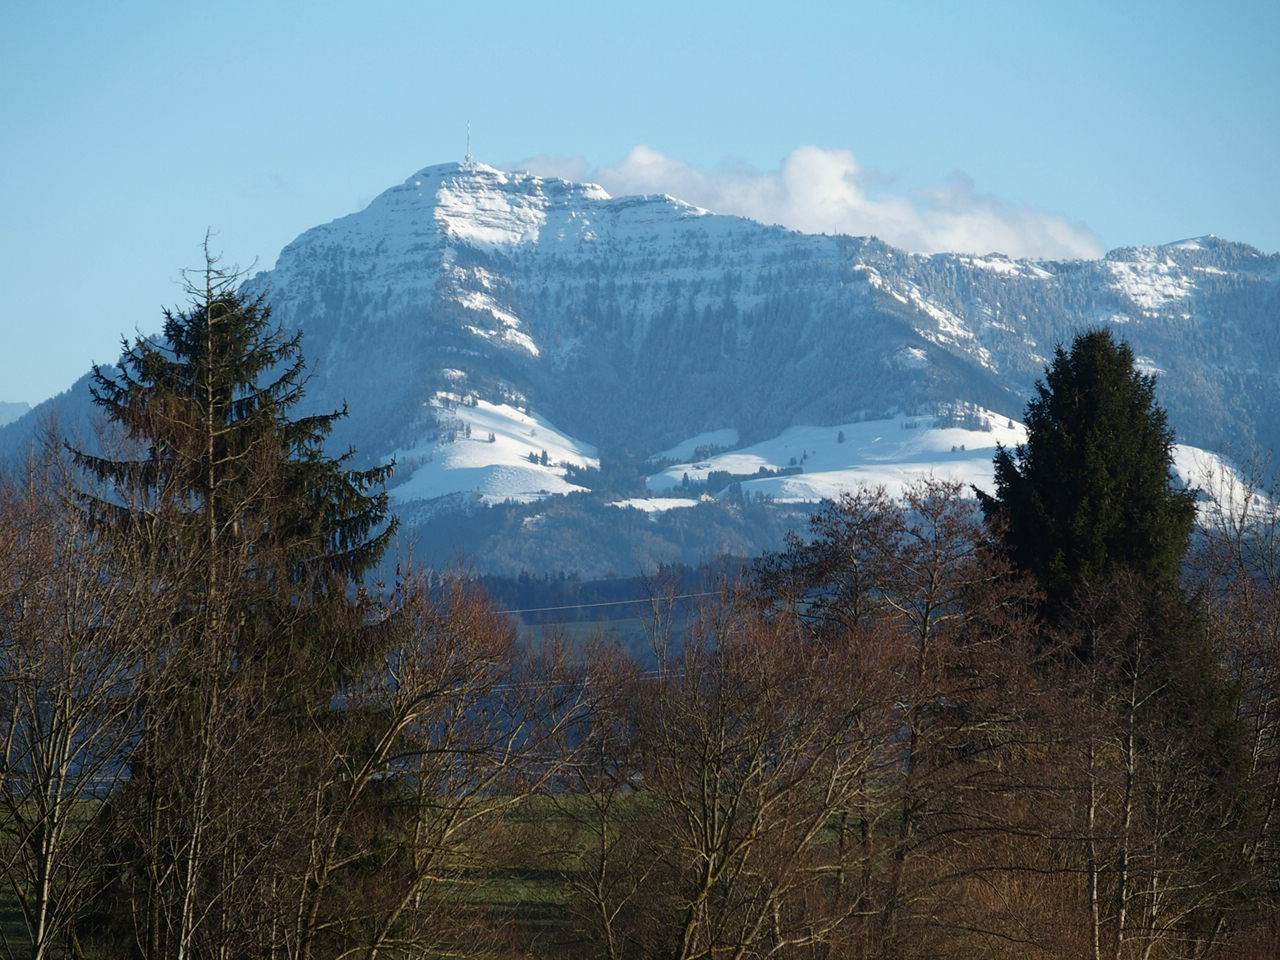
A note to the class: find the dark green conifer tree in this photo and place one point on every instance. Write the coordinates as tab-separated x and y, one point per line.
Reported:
1090	507
1090	495
233	484
259	540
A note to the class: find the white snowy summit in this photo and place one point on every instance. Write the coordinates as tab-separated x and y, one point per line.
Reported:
512	338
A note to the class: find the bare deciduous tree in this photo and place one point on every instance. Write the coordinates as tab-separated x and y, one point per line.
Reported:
71	641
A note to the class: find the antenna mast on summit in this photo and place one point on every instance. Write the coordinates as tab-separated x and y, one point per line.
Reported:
468	158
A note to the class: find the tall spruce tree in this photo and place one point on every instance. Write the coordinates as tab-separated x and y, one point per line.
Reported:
231	483
1090	495
258	542
1089	506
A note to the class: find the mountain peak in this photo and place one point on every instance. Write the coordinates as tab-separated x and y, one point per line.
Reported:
1196	243
474	174
455	168
1212	243
1203	249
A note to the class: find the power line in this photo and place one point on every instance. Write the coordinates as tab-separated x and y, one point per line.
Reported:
612	603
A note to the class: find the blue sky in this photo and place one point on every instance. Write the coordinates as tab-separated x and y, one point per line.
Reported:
1043	129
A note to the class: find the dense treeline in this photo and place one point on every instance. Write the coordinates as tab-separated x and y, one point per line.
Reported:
930	728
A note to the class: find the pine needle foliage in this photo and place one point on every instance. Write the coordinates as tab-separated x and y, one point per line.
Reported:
224	477
1091	496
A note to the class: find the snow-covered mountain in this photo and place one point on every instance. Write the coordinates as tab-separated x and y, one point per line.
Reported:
508	338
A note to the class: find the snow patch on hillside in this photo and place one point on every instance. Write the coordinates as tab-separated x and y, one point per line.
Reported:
1220	483
508	330
893	453
727	437
998	263
1149	284
912	357
949	330
654	505
478	207
493	450
1148	366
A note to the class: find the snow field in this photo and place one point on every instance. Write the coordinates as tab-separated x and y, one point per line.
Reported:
1149	284
727	437
497	470
653	505
894	453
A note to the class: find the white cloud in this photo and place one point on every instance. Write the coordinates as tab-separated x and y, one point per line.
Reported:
817	190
